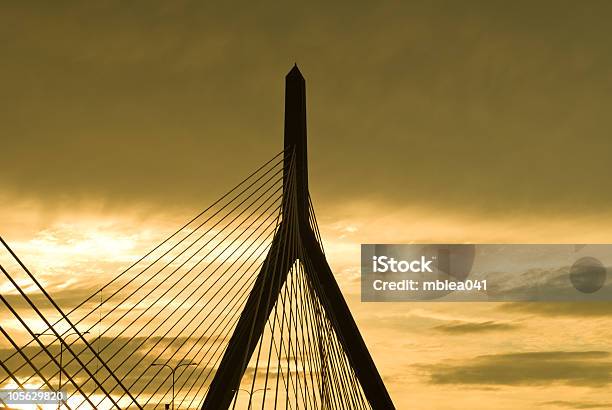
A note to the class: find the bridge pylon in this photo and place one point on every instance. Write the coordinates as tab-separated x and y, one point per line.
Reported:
306	250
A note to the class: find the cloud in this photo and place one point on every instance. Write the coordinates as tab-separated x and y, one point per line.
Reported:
129	353
66	299
475	327
193	84
552	309
577	404
588	368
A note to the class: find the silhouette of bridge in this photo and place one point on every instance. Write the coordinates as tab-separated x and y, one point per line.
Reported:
236	309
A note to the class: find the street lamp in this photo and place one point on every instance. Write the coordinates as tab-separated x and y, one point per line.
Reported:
250	394
173	369
63	340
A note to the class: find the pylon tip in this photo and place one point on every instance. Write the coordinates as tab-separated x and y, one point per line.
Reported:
295	72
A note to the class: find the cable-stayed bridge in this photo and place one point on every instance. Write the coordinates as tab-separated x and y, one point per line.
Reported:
237	309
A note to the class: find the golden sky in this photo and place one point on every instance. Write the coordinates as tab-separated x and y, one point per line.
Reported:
438	121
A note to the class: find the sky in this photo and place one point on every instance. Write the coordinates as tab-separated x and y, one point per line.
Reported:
438	121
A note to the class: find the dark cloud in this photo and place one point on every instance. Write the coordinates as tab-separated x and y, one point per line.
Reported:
576	404
66	298
577	309
542	284
130	359
263	371
491	106
590	368
475	327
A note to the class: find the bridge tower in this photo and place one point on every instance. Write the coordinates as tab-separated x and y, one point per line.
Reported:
274	271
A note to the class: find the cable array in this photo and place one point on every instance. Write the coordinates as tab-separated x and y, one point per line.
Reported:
157	332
